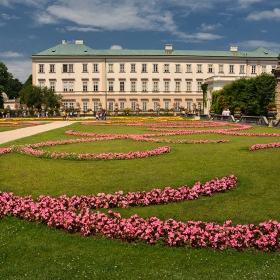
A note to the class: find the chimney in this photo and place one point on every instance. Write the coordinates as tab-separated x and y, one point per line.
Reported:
169	48
79	42
64	42
233	48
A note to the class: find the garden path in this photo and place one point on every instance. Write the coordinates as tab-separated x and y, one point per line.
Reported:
7	136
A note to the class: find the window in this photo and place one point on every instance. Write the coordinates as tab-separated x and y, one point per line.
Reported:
133	68
111	106
199	86
189	86
177	86
242	69
71	86
95	86
95	68
210	68
52	86
144	105
84	67
155	106
111	86
133	86
41	85
122	105
253	69
121	86
221	68
199	68
122	68
71	104
144	86
65	86
155	86
166	68
178	68
67	68
189	68
41	68
231	69
188	105
144	68
166	86
263	69
85	106
133	105
111	70
177	103
65	104
166	104
95	106
84	86
155	68
52	68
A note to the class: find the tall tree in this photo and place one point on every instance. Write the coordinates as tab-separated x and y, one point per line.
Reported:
3	75
1	97
35	96
251	95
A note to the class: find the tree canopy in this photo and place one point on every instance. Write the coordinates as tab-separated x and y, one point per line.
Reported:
35	96
251	95
10	85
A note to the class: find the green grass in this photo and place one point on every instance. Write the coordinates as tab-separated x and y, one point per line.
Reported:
33	251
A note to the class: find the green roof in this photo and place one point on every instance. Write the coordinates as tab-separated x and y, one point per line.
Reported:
83	50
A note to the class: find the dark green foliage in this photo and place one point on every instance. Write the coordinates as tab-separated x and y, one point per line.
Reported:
251	95
35	96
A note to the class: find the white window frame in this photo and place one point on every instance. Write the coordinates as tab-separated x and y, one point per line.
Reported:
110	86
155	86
189	86
166	68
95	86
199	68
144	68
231	69
111	68
133	68
210	68
189	68
133	86
144	85
199	83
254	69
155	68
178	68
177	86
242	69
52	68
166	86
41	68
95	68
221	68
122	68
85	86
85	68
52	86
144	106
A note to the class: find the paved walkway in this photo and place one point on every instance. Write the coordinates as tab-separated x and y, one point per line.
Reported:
7	136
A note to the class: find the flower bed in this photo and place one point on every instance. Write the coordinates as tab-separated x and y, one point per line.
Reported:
74	215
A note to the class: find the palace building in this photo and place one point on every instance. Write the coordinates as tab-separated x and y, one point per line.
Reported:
167	77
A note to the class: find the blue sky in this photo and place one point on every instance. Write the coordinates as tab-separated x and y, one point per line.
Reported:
31	26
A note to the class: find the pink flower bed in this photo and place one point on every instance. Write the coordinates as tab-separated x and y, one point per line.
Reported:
264	146
74	215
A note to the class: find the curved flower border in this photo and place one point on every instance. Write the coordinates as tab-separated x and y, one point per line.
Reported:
74	215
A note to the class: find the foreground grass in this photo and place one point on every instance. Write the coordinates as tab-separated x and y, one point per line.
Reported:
26	248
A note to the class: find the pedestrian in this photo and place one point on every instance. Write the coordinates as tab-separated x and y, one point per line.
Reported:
64	115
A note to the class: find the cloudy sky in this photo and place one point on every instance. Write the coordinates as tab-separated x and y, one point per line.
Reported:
31	26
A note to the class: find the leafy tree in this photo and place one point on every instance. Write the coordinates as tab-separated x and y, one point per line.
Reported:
1	97
251	95
10	85
3	74
35	96
13	87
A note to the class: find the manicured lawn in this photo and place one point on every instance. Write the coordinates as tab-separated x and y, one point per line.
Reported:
34	251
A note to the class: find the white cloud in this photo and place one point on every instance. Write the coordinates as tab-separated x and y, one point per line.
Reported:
7	17
116	47
10	54
2	24
253	44
271	15
21	69
210	27
246	3
82	29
